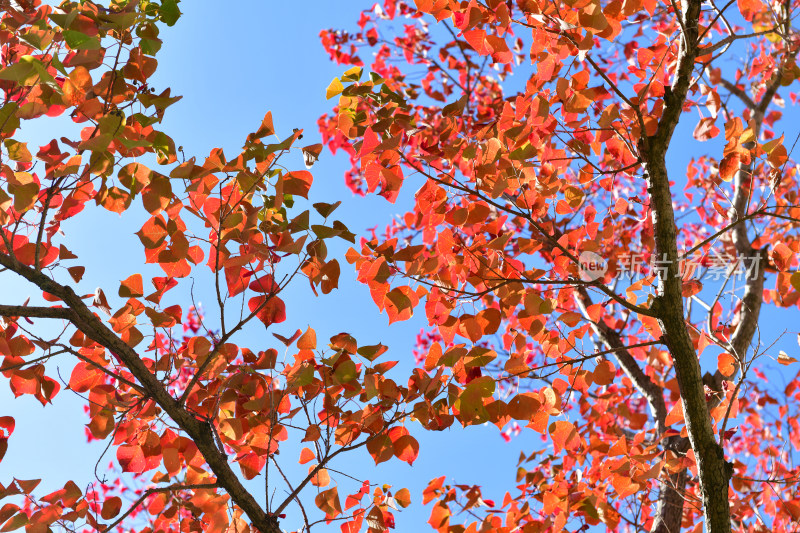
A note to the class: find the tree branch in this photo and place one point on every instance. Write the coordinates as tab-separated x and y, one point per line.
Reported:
36	312
155	490
91	326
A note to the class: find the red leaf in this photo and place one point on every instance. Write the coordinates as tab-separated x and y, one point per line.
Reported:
251	464
237	279
264	284
7	425
271	309
782	256
288	340
131	458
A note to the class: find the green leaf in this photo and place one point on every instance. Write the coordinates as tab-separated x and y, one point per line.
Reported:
148	38
324	232
150	47
133	143
456	108
344	233
64	19
524	152
326	209
283	145
80	41
795	280
8	117
119	21
164	147
470	402
300	222
345	372
371	353
169	12
59	66
20	72
38	38
304	376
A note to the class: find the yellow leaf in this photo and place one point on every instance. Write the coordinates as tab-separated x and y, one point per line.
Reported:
334	88
795	280
747	136
352	74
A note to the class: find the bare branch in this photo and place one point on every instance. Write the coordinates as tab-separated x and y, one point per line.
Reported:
156	490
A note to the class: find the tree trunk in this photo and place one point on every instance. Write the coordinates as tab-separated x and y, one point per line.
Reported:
714	472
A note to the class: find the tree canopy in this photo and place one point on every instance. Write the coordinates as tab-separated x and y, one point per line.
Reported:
577	284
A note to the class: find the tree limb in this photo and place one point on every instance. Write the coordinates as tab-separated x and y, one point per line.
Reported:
200	432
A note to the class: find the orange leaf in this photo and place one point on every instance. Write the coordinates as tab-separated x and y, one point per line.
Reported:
403	497
477	40
726	364
328	502
728	166
266	129
308	340
564	436
784	359
604	373
84	377
306	455
676	414
321	478
111	507
619	448
406	448
131	287
298	183
523	406
380	448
